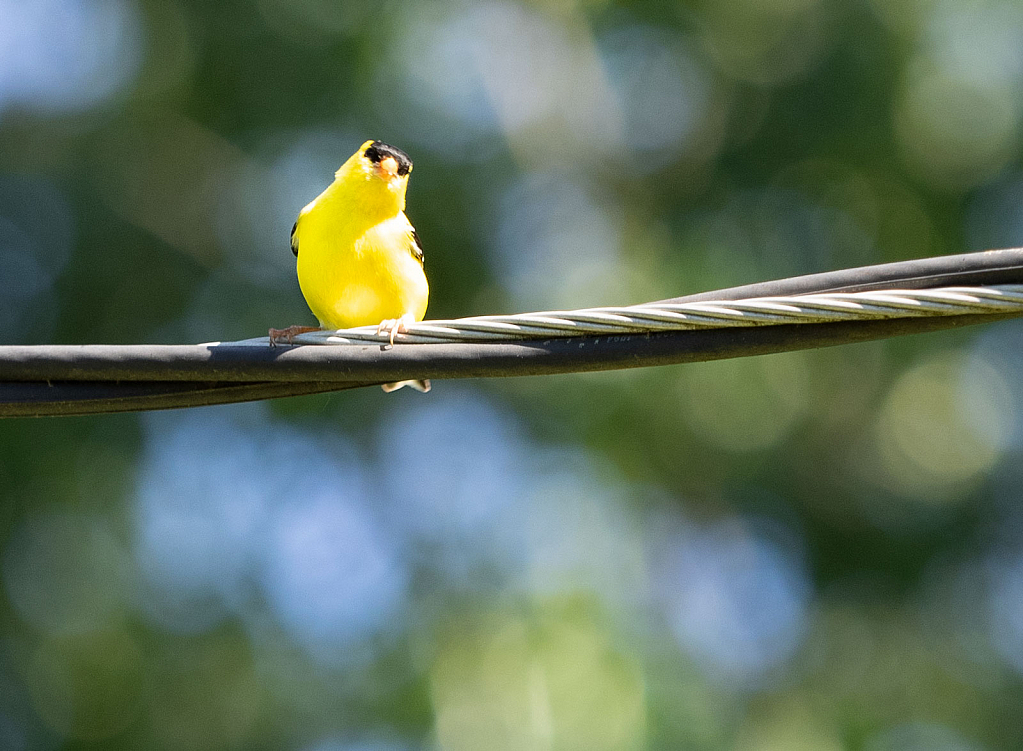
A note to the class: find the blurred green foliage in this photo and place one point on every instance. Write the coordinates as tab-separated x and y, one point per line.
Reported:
818	550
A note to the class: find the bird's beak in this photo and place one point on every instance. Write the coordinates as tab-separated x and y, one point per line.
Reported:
389	166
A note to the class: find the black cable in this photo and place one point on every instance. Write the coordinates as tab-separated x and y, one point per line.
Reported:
66	380
968	269
315	369
72	398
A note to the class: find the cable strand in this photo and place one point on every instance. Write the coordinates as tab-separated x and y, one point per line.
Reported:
682	316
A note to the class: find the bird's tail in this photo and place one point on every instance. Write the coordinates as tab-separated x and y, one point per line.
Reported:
422	386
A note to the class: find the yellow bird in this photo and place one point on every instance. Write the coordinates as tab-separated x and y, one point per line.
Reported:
359	258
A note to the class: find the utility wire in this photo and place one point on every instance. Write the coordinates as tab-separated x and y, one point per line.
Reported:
650	318
802	312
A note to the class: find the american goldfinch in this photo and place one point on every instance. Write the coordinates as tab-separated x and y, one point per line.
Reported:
359	258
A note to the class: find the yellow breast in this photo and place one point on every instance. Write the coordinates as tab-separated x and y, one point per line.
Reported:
355	272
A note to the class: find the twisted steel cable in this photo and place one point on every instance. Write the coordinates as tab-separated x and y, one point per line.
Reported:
666	316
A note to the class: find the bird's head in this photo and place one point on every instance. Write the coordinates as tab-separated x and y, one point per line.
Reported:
381	166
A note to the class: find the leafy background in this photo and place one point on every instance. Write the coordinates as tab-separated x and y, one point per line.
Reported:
817	550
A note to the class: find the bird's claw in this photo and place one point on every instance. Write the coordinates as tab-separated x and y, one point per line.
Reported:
394	326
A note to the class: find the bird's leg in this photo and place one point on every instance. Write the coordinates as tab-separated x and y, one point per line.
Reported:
394	326
287	336
391	327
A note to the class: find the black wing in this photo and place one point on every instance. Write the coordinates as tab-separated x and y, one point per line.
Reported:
417	247
294	238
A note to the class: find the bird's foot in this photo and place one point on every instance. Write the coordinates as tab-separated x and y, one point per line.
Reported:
422	386
393	326
287	336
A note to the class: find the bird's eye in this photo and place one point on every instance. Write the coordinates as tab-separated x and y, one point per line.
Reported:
373	154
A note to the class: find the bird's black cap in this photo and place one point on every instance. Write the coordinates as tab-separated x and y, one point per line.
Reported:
377	151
